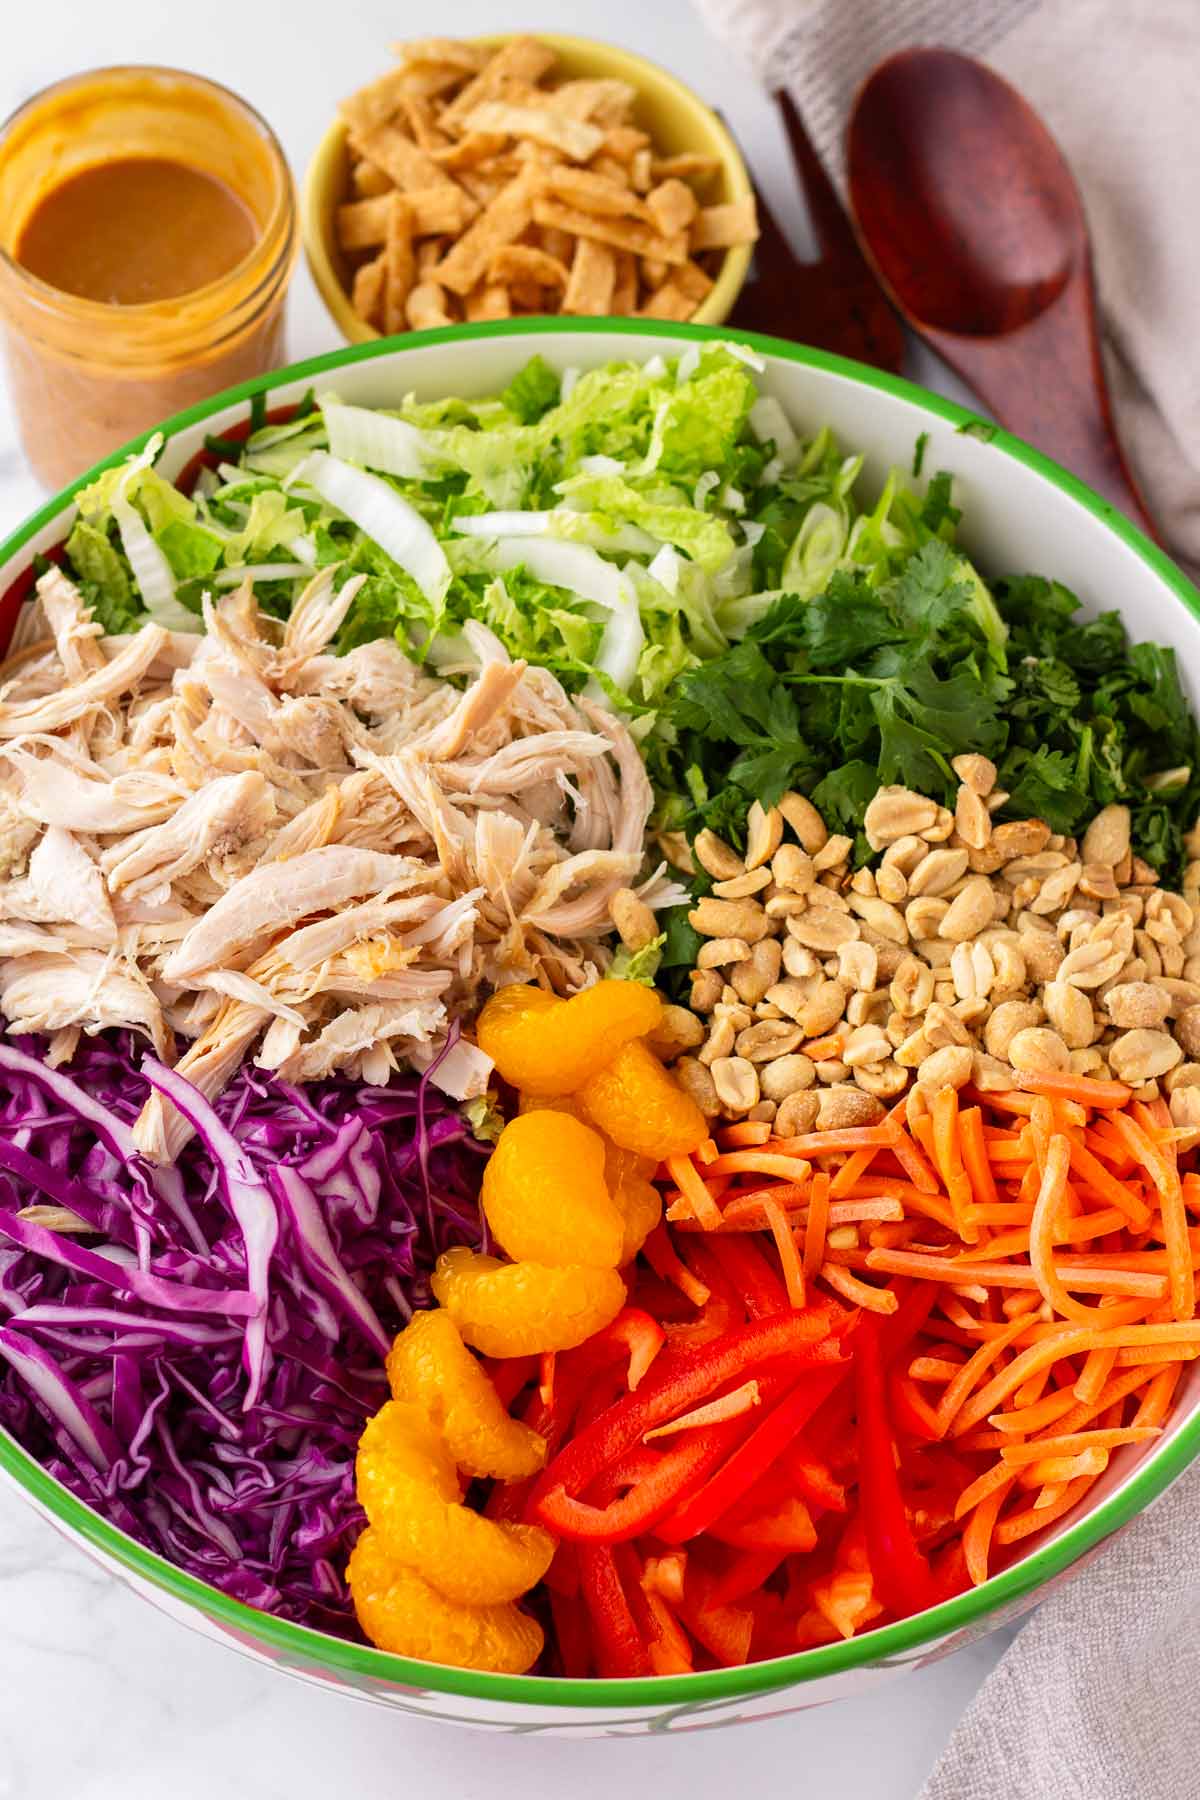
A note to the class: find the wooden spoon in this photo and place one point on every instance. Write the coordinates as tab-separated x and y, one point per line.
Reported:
969	213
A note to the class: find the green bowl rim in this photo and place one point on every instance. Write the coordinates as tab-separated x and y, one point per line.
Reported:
318	1651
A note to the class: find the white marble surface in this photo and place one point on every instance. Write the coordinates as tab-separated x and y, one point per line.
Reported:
101	1698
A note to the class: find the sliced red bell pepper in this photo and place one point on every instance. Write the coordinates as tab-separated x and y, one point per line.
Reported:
725	1631
747	1572
911	1412
785	1528
760	1289
571	1634
619	1646
901	1574
901	1327
678	1380
509	1375
666	1641
751	1459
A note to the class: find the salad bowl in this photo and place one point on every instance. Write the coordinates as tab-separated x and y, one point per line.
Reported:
1019	512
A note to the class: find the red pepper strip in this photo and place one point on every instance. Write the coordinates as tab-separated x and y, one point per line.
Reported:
658	1486
562	1577
902	1326
510	1375
667	1644
759	1288
950	1573
901	1574
747	1572
808	1476
911	1412
725	1631
750	1460
678	1380
786	1529
619	1645
571	1635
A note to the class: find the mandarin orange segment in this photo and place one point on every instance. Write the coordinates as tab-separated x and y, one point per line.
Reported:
635	1197
636	1103
431	1366
521	1309
545	1195
547	1046
477	1561
400	1611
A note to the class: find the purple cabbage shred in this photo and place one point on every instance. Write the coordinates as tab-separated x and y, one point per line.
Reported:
215	1429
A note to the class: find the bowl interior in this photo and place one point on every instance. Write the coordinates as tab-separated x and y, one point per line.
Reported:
676	119
1020	513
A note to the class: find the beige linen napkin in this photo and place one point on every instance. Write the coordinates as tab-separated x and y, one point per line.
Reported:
1097	1699
1115	82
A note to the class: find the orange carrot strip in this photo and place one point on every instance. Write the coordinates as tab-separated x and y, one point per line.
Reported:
727	1406
987	1483
908	1156
1019	1525
859	1293
1161	1166
1051	1278
975	1161
1181	1353
684	1174
1105	1095
930	1206
748	1133
852	1212
1075	1442
1117	1193
934	1368
817	1226
1156	1403
966	1378
852	1170
825	1143
1064	1468
1066	1340
823	1048
948	1159
785	1244
786	1165
1097	1368
706	1152
1024	1419
1084	1280
1111	1396
977	1535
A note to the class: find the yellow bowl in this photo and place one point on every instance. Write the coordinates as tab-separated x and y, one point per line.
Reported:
676	119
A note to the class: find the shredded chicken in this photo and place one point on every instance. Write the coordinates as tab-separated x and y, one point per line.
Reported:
318	861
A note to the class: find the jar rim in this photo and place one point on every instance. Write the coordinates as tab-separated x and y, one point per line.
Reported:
281	223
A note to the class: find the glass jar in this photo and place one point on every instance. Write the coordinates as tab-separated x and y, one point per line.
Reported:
85	375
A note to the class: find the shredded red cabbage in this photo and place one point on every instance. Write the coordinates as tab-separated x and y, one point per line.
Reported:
197	1364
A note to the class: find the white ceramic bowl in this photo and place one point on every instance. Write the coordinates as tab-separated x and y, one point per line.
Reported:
1021	513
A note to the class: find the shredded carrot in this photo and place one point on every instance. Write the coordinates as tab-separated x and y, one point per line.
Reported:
1074	1443
1105	1095
1084	1280
748	1133
1020	1420
933	1368
995	1477
853	1169
964	1380
1156	1402
1161	1167
786	1165
1053	1469
825	1143
973	1151
907	1155
1097	1368
977	1537
853	1212
859	1293
1089	1167
789	1259
687	1179
728	1406
817	1226
823	1049
706	1152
